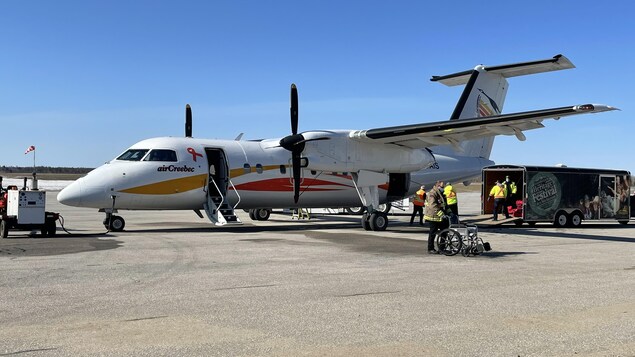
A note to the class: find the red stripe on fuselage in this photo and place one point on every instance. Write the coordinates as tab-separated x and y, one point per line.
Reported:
286	185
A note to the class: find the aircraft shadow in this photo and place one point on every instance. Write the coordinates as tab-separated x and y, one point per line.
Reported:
51	246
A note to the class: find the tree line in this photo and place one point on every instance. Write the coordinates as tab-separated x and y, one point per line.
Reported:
44	169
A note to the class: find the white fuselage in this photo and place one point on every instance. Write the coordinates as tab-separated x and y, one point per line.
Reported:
259	174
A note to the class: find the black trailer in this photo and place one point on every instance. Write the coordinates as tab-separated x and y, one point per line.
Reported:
564	196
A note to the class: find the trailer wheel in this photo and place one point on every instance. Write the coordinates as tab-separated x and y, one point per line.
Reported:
518	222
623	222
252	214
576	219
4	228
561	220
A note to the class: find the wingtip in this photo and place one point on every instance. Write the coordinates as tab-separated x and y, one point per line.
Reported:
595	108
605	108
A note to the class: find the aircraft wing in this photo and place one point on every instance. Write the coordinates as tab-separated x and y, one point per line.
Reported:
454	131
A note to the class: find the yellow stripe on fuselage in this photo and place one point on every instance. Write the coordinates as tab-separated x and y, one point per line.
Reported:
168	187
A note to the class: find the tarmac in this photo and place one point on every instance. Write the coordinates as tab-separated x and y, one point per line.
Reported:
173	285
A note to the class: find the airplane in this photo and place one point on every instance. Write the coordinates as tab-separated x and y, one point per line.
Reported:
322	168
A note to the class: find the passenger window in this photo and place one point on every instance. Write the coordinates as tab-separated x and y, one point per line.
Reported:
247	168
313	172
133	155
283	169
161	155
259	168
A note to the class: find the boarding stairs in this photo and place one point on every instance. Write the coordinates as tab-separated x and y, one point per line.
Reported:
219	211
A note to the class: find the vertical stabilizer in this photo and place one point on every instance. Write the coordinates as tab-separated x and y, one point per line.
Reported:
484	95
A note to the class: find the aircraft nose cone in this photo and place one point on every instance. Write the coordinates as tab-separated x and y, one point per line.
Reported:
71	195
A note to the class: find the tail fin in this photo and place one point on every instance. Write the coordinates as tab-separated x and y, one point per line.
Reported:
484	95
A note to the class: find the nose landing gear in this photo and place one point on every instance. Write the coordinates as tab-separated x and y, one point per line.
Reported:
114	223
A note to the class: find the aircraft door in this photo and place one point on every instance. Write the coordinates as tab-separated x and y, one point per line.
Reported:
218	179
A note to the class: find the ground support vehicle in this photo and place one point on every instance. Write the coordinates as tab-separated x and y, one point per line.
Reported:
25	210
563	196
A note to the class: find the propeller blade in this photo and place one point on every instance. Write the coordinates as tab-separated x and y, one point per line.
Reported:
188	121
295	161
294	109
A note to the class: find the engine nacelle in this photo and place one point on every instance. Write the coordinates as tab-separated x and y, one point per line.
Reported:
342	154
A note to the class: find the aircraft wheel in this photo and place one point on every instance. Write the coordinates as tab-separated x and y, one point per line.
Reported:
115	224
576	219
378	221
262	214
354	210
561	220
365	221
252	215
385	208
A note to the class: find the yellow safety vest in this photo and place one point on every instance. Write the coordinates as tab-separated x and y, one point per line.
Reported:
418	198
498	192
511	187
449	193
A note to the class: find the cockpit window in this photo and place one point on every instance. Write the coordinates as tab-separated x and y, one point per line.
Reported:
133	155
161	155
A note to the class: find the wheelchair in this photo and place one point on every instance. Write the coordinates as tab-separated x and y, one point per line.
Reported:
461	238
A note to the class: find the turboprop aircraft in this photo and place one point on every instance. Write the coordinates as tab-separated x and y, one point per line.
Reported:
322	168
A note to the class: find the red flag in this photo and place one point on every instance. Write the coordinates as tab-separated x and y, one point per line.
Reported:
29	149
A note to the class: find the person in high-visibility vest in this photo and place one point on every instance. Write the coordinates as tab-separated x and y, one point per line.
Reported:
451	199
500	194
418	201
510	187
434	214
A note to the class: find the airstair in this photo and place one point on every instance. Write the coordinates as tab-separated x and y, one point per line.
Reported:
218	210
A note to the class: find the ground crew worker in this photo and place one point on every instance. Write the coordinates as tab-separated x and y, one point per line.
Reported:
418	201
511	188
434	214
499	193
451	199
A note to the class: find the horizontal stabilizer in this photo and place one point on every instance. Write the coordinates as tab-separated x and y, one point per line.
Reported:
556	63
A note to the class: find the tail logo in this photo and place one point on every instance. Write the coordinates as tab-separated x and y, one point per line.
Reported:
486	106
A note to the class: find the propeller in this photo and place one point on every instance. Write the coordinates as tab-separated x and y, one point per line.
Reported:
295	143
188	121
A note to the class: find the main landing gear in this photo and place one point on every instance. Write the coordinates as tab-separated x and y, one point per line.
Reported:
259	214
376	221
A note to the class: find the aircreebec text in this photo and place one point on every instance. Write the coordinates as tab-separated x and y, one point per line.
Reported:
172	168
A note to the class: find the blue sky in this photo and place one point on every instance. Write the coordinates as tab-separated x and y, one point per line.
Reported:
83	80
